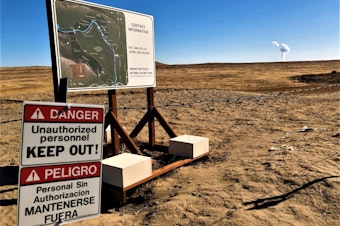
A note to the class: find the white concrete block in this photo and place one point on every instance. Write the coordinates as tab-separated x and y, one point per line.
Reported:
126	169
107	134
188	146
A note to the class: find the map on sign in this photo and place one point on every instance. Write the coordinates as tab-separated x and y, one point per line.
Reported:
100	47
92	45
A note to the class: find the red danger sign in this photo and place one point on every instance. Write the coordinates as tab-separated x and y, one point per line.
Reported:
66	113
61	133
44	174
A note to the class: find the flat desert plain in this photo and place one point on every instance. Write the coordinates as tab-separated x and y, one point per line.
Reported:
274	131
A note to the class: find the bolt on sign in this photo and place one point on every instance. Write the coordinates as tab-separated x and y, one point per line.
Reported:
60	166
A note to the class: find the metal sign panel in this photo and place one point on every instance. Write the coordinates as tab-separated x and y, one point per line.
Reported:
61	133
49	195
99	47
60	170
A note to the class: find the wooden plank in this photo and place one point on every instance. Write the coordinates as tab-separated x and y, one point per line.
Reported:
151	123
164	170
115	144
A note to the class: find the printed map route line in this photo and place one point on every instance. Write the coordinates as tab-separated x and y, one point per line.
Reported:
93	23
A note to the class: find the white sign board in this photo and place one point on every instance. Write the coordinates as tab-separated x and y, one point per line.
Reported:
101	47
60	170
61	133
59	193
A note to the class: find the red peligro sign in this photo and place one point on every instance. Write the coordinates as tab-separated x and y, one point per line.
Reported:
44	174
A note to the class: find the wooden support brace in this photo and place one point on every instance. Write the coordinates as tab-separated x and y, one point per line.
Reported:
149	118
163	123
141	124
123	135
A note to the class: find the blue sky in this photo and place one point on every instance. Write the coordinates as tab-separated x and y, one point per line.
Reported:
194	31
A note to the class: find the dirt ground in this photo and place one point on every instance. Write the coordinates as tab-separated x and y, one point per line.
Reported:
274	132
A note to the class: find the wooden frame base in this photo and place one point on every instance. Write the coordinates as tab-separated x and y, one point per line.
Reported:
117	130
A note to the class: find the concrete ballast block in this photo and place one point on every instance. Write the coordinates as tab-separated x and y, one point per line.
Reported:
188	146
126	169
107	134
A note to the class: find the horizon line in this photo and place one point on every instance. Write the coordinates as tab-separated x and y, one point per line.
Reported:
158	62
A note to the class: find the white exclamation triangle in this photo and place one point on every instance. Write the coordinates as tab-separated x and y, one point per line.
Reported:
33	177
37	114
